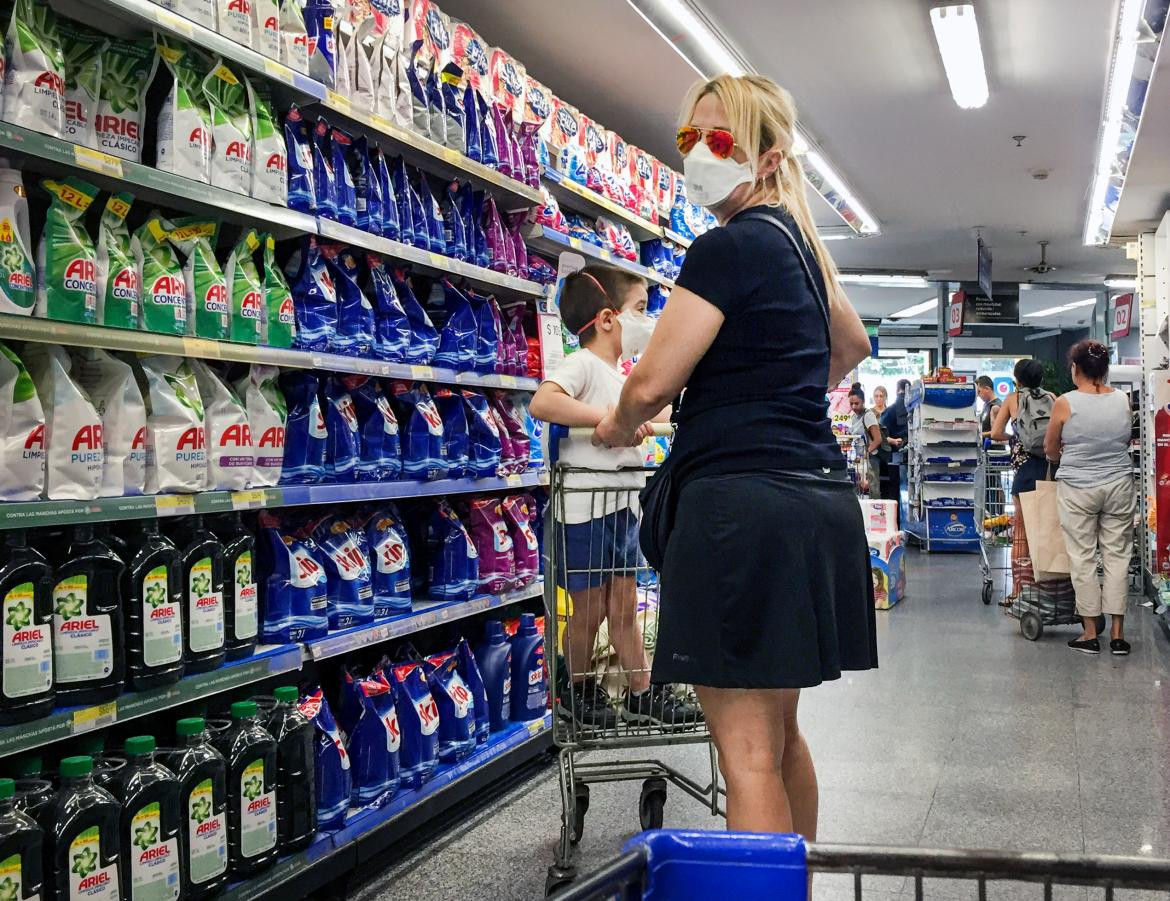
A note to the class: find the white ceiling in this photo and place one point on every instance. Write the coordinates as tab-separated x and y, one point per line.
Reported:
872	302
870	86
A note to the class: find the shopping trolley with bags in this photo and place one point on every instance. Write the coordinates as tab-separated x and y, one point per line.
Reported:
687	866
602	599
994	508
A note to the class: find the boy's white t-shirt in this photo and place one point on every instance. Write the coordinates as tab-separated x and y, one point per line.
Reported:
586	377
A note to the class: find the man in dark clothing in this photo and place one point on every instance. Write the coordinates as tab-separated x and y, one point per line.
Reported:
895	420
985	388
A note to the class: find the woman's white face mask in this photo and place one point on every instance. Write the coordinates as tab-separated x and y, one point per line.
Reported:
636	331
711	180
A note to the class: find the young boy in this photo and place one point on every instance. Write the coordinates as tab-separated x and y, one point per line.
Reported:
598	542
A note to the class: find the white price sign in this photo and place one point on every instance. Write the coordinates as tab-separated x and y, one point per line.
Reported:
552	345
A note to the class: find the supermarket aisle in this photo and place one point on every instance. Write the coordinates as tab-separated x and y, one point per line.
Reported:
967	736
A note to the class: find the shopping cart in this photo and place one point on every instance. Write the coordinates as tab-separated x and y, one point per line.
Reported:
599	581
994	509
860	467
681	866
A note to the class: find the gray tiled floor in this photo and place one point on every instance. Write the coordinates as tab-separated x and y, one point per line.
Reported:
968	736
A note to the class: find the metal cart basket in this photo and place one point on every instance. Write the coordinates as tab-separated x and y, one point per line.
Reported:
691	865
601	626
994	508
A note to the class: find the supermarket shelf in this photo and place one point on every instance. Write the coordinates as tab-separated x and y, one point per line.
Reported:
427	260
34	149
675	238
578	197
334	857
553	243
33	514
31	328
425	615
429	155
148	15
270	660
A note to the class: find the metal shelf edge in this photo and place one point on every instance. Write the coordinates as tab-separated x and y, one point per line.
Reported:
549	241
561	186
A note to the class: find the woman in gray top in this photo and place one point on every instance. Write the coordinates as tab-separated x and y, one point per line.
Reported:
1089	434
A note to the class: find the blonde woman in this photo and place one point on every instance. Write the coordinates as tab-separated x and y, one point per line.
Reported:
880	399
766	585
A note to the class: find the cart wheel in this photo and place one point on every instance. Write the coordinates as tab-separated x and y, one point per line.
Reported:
580	806
1031	626
988	591
558	878
652	802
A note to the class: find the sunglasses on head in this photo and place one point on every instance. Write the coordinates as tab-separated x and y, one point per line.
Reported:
719	140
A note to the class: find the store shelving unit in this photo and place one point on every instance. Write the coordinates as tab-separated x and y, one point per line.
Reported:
944	436
577	197
553	243
675	238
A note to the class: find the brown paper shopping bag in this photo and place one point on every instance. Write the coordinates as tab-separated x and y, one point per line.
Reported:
1045	537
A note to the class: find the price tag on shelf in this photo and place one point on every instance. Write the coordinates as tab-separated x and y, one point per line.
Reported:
339	102
454	157
382	124
606	255
98	717
175	23
273	69
96	161
508	381
438	261
174	504
202	348
422	373
249	500
535	727
575	243
513	481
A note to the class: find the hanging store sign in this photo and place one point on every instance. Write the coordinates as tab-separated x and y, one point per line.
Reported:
1122	316
955	314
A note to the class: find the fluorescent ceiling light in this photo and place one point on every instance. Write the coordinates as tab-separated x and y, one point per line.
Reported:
836	236
887	280
957	33
1125	44
818	162
917	310
1121	283
710	43
1063	308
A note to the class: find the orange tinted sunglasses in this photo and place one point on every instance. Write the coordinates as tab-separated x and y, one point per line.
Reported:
719	140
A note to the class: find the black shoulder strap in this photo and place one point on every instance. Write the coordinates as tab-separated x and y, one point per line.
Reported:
812	282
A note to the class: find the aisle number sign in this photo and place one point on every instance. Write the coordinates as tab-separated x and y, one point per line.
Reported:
1122	316
955	314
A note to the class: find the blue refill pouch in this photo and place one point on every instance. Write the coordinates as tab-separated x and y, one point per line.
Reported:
459	335
324	178
424	337
482	254
341	444
354	334
391	227
368	216
453	563
299	147
489	333
488	148
331	761
402	195
381	451
347	573
314	300
483	437
422	434
436	235
471	143
451	409
469	672
450	78
304	432
349	702
418	217
457	725
454	228
319	16
291	585
418	719
345	196
374	744
391	325
390	562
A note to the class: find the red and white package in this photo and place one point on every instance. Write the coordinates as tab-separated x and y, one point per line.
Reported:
416	30
593	136
537	105
565	130
619	156
664	184
471	55
641	168
508	78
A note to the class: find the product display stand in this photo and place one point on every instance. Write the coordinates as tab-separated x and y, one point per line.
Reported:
942	458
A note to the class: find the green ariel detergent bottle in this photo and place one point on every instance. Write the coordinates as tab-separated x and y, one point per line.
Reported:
149	828
251	758
152	587
241	611
81	838
20	849
87	621
26	608
202	773
202	578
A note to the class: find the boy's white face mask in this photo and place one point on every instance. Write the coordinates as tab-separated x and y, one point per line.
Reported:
636	330
711	180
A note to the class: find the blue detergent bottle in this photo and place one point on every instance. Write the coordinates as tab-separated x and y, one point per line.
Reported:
529	686
494	659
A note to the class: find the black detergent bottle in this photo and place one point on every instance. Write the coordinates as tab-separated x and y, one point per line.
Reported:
26	611
201	555
149	826
21	842
152	588
81	838
296	788
202	774
88	659
241	610
251	758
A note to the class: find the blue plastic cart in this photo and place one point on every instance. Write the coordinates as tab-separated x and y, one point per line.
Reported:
668	865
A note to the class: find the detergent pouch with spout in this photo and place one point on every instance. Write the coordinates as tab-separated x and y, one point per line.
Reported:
127	70
114	392
278	325
245	293
457	727
453	563
291	584
459	336
176	443
493	543
66	259
231	453
34	71
208	307
82	52
265	407
269	153
520	514
374	743
381	453
424	338
164	293
391	325
22	443
451	408
331	759
469	672
231	130
347	572
422	434
73	428
184	121
314	299
119	286
354	336
483	437
342	441
390	556
418	717
305	434
300	155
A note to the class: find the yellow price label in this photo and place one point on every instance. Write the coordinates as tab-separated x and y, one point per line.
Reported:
382	124
508	381
90	718
575	243
273	69
452	156
437	260
173	22
96	161
422	373
223	73
513	481
339	101
174	504
535	727
606	255
249	500
202	348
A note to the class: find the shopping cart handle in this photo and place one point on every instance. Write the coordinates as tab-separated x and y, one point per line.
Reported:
556	433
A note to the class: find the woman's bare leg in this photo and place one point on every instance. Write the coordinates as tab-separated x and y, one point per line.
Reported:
799	774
